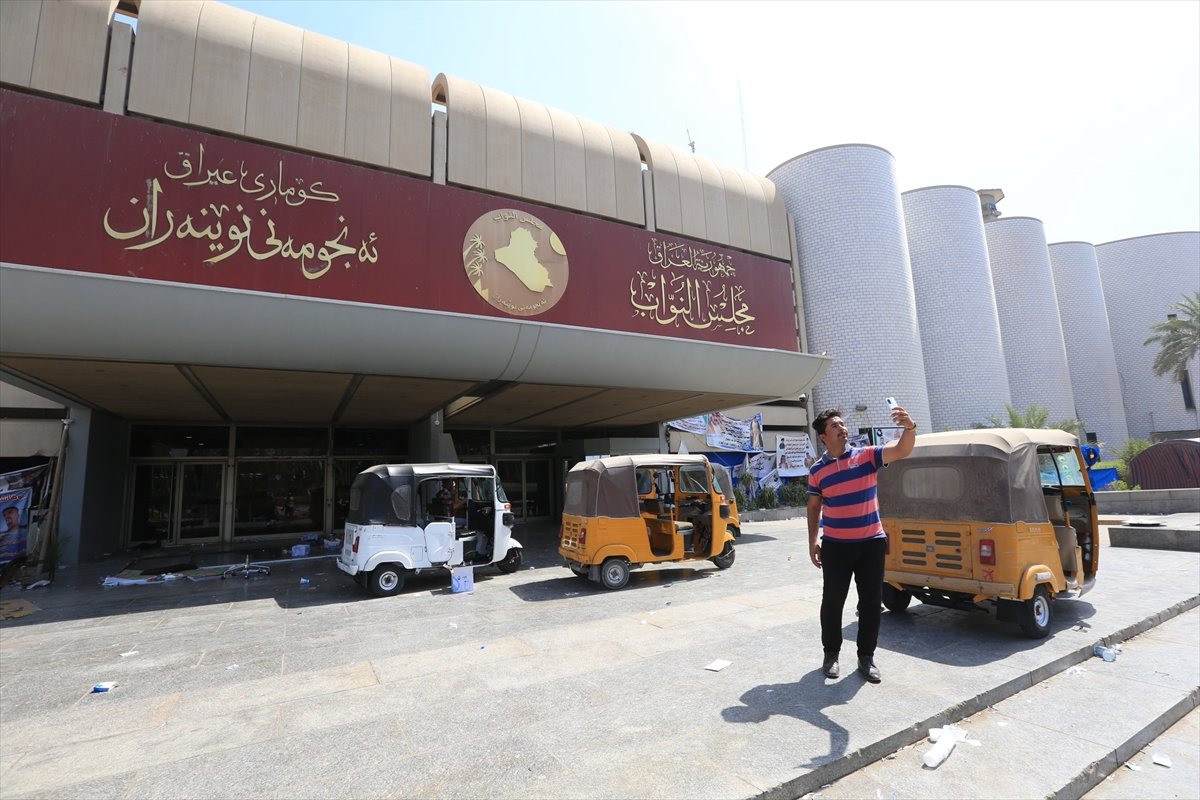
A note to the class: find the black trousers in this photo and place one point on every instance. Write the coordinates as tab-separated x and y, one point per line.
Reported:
839	562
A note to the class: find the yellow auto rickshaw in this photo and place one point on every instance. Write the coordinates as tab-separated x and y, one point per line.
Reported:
622	512
1001	517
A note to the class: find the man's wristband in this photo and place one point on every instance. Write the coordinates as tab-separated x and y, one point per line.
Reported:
913	428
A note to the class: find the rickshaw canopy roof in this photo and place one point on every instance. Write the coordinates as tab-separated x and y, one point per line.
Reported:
607	487
395	474
985	475
1004	441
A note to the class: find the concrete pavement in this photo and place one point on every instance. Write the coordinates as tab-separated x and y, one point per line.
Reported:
537	684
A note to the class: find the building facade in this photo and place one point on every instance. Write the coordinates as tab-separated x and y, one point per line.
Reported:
241	261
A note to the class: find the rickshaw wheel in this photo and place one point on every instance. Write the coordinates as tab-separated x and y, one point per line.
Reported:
1034	617
511	561
386	580
725	559
896	600
614	573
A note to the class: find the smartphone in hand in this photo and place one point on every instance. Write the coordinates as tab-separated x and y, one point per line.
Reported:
891	403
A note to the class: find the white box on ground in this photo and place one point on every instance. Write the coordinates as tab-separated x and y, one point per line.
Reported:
462	579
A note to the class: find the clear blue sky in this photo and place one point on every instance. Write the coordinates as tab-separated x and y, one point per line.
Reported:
1086	114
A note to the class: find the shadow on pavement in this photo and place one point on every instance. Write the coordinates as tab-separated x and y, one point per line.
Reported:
806	700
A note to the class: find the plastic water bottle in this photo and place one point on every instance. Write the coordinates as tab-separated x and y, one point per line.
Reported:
949	737
1107	653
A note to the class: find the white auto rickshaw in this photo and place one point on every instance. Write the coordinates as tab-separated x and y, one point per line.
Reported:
404	518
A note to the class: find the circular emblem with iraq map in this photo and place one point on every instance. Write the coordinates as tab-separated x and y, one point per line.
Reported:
515	262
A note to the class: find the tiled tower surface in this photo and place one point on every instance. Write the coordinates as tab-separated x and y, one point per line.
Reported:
1095	380
1029	326
1142	279
856	282
956	307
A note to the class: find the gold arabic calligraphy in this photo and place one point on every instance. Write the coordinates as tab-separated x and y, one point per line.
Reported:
676	254
227	236
701	303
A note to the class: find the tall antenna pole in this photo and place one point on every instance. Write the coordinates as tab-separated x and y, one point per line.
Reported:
691	141
742	114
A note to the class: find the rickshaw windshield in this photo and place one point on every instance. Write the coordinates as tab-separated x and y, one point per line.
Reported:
693	479
1060	469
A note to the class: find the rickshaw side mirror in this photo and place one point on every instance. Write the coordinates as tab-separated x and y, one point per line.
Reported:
725	511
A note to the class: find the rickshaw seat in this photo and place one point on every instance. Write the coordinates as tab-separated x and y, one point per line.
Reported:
1066	548
653	506
1055	509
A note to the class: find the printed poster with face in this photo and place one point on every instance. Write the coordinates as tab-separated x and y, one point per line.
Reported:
729	433
794	455
14	522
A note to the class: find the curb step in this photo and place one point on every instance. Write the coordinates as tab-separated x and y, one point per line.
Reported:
1065	725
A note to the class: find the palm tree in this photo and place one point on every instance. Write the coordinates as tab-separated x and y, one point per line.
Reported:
1033	417
1178	338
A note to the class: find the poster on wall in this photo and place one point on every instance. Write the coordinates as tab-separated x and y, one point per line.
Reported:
729	433
697	425
14	523
889	434
794	455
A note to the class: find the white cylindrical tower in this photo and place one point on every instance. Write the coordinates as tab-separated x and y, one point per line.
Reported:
1095	381
856	282
956	307
1029	326
1142	279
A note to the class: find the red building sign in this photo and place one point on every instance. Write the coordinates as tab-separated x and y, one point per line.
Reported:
84	190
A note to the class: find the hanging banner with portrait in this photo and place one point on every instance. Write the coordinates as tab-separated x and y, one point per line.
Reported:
794	455
14	523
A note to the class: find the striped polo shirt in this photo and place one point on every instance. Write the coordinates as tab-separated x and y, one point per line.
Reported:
849	496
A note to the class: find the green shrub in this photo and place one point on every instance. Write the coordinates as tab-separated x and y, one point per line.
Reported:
1117	486
768	499
739	497
794	493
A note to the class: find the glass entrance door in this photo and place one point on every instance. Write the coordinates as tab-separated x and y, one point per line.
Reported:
153	504
200	502
176	503
527	484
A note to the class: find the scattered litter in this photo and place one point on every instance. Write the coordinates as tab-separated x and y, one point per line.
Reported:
482	646
879	794
115	581
641	622
454	625
1076	670
299	550
1163	760
332	544
304	580
718	665
1002	723
668	603
462	580
232	666
1107	653
38	584
104	686
130	653
1133	767
12	609
945	739
572	594
310	537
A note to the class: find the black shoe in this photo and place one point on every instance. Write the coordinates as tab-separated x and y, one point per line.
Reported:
869	671
830	667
